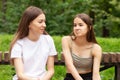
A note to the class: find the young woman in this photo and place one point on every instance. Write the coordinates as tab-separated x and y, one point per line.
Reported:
81	52
32	48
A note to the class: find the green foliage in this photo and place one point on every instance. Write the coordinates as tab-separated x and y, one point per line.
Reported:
6	72
60	14
10	19
5	42
106	16
59	73
109	44
108	74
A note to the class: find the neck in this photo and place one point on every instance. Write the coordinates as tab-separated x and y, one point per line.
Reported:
33	36
81	41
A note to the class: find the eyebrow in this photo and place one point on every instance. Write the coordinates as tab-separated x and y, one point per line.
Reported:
78	23
42	19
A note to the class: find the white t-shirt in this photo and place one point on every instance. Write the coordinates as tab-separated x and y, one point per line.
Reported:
34	55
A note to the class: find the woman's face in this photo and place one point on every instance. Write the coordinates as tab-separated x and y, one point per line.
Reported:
80	27
38	25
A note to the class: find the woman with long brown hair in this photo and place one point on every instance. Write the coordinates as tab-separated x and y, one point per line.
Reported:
32	48
81	51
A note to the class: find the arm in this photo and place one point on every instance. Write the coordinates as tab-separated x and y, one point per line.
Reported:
68	58
97	53
50	68
18	64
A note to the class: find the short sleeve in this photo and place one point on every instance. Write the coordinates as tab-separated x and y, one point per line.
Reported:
52	47
16	51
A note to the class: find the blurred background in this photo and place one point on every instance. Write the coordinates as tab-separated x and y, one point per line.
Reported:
105	15
60	13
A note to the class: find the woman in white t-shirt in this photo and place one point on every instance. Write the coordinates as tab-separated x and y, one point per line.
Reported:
32	48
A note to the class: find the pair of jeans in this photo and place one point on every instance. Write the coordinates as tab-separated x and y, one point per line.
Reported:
87	76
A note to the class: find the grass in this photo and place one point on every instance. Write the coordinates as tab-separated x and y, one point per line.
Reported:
6	72
107	44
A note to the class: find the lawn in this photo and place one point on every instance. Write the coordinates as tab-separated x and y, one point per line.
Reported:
107	44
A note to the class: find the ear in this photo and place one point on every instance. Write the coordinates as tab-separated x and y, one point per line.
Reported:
29	25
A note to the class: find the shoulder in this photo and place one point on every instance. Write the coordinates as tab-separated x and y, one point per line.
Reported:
66	38
97	47
97	50
48	39
47	36
20	42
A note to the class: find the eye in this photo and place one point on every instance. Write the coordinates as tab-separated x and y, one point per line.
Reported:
80	24
74	25
40	21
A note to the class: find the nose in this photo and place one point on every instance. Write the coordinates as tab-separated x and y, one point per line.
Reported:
44	24
77	27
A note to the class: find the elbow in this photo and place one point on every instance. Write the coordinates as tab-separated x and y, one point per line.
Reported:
96	75
20	76
51	72
69	66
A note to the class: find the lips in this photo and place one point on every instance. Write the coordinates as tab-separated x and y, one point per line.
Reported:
42	29
77	31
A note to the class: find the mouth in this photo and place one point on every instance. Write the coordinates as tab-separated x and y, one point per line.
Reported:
42	30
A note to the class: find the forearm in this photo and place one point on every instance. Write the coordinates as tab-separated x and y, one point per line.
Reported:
24	77
96	76
48	75
74	72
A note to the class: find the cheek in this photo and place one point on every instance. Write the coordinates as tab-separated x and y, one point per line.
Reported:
85	29
30	26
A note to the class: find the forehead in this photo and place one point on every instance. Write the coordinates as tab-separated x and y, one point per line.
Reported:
41	17
78	20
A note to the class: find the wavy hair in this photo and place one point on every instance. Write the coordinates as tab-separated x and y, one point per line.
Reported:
90	34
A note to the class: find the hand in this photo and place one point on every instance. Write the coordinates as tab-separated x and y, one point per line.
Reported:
36	79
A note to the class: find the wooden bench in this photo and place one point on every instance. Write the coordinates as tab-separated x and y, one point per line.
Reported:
4	58
109	59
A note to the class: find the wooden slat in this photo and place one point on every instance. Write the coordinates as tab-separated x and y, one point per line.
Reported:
0	57
109	59
6	57
113	58
56	58
62	57
118	57
105	58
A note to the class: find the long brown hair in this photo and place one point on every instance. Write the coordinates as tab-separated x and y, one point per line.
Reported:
23	28
90	34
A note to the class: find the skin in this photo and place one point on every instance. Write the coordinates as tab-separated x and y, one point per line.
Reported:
81	47
36	28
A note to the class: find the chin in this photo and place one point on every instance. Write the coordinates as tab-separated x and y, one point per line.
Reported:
78	35
40	32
